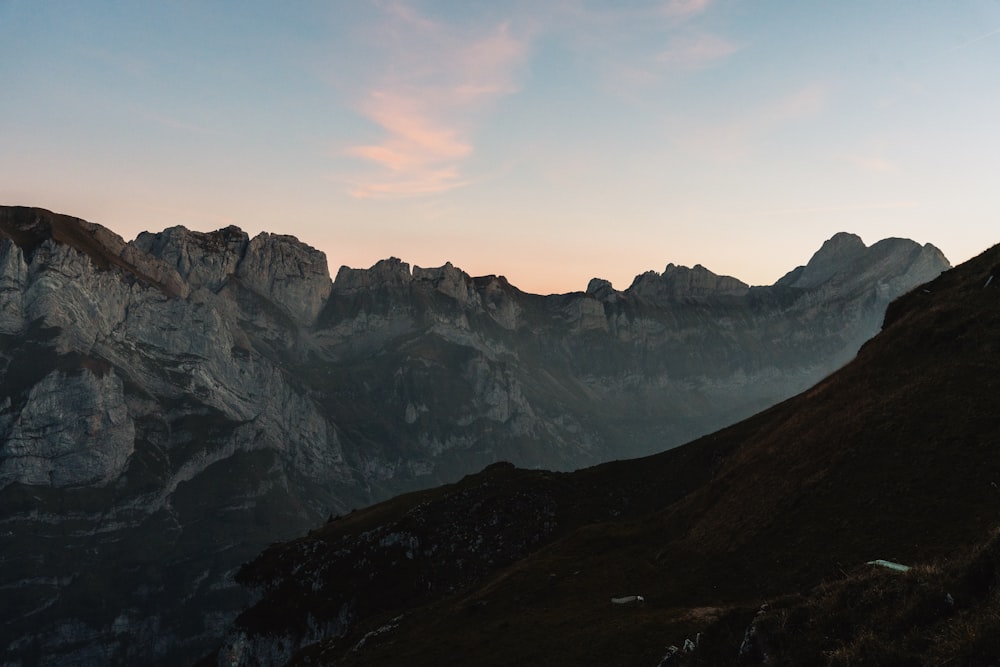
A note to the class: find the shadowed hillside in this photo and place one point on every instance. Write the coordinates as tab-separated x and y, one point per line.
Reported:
896	456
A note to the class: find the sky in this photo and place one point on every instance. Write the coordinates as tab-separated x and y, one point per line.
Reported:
550	142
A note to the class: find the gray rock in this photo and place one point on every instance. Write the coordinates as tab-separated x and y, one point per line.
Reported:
201	260
287	273
73	429
680	282
391	274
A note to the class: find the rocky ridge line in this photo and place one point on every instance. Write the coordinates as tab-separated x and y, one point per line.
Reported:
213	389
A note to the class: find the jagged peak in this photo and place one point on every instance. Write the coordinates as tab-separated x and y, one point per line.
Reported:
601	289
596	284
394	271
201	259
448	280
437	274
391	272
171	241
843	240
678	282
291	273
836	252
845	255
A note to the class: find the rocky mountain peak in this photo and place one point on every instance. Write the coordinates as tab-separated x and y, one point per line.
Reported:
834	255
680	282
281	268
450	281
287	272
386	273
203	260
600	288
845	260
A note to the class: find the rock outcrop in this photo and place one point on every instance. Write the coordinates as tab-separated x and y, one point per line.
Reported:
172	404
680	282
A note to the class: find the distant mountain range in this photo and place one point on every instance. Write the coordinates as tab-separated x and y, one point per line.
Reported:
173	404
855	523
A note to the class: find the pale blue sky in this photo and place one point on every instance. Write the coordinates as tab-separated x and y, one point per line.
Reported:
550	142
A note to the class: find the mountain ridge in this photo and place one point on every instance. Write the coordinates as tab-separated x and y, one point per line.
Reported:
193	388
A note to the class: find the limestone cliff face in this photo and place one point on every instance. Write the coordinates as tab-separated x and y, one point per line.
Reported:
172	404
287	273
73	429
200	260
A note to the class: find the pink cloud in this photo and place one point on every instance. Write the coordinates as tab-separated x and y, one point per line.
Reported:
435	89
617	38
416	136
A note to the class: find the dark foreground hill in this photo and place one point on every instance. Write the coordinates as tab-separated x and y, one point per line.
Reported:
172	404
895	457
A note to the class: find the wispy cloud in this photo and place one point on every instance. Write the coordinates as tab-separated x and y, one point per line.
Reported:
641	47
416	137
438	82
435	81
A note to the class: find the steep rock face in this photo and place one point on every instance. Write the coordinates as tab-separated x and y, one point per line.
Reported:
190	389
451	282
13	277
287	273
201	260
52	442
387	274
277	267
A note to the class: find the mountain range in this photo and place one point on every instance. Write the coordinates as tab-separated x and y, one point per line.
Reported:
853	524
173	404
